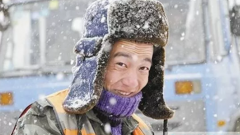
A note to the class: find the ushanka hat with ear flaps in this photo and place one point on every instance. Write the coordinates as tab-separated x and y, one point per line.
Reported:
107	21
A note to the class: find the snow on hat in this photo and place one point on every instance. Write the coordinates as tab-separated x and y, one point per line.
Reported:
107	21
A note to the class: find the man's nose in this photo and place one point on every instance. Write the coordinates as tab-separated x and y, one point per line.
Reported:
130	79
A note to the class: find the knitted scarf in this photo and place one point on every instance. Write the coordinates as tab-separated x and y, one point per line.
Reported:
111	108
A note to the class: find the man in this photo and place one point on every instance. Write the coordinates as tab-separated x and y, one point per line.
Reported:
119	68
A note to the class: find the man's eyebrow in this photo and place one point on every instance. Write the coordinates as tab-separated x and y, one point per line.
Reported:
148	60
119	54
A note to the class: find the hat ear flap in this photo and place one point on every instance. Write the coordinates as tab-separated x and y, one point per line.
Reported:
152	103
87	84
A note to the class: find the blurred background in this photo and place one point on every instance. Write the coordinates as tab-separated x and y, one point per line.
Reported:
202	69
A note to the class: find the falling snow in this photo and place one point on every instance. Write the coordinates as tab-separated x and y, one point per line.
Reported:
112	101
190	50
107	128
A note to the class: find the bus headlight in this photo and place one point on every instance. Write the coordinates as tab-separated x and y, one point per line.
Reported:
6	98
221	123
187	87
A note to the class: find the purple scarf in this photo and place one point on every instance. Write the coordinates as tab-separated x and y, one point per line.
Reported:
114	107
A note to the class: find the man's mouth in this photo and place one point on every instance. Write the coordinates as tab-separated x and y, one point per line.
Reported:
123	93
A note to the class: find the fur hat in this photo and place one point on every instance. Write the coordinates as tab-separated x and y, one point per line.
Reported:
107	21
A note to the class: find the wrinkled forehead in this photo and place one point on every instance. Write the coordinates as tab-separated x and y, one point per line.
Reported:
129	48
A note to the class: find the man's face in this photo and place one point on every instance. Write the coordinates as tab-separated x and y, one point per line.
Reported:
128	67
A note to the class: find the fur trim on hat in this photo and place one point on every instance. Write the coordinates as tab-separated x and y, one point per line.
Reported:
142	20
152	103
87	84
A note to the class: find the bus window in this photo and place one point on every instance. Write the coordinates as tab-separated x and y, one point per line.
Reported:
186	38
219	30
41	35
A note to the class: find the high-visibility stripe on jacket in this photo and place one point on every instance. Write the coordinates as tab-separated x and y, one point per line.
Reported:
69	124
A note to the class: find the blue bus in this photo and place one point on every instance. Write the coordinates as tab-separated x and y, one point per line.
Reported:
201	70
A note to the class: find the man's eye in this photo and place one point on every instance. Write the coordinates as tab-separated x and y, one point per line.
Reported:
121	64
144	68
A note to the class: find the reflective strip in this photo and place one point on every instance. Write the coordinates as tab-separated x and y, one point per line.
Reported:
70	132
138	131
84	132
75	132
